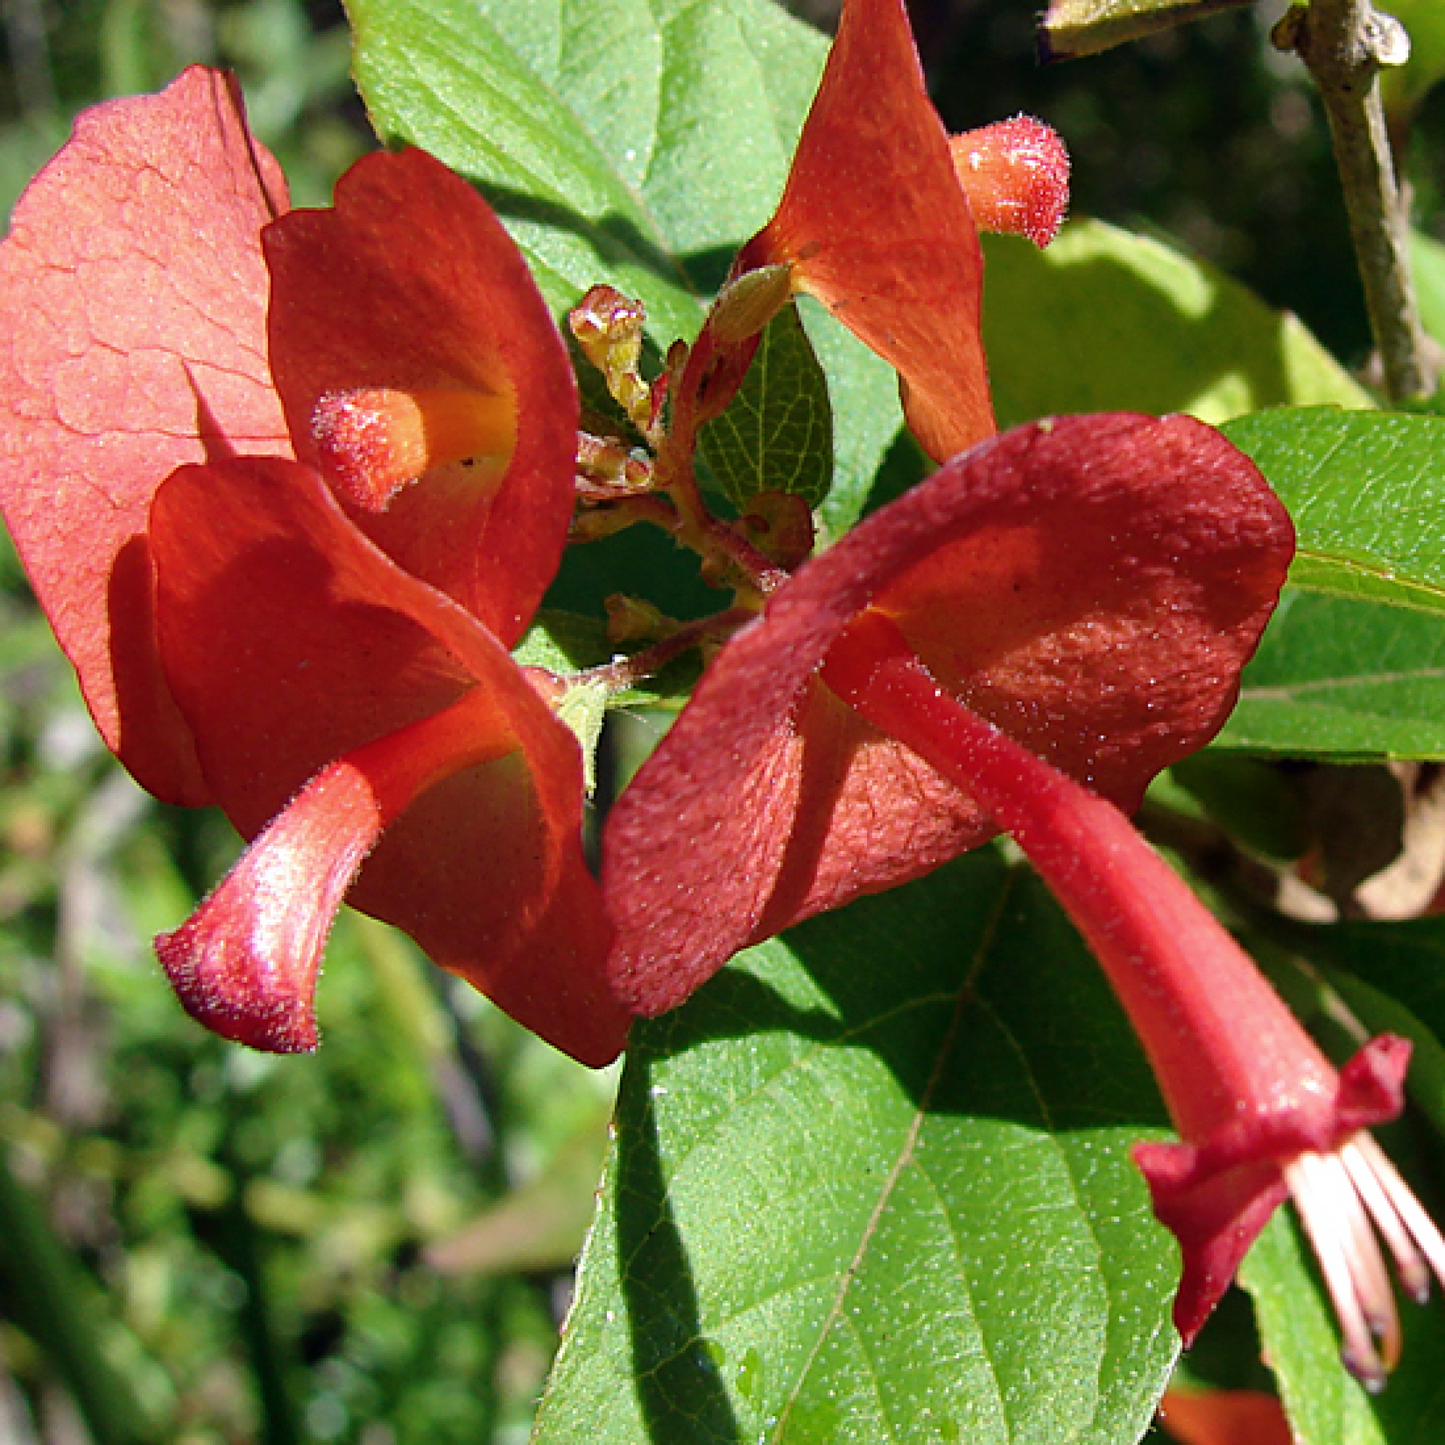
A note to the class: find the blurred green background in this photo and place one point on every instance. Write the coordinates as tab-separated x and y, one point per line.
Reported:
200	1244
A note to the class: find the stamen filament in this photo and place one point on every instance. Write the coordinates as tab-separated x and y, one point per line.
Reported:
1423	1229
1323	1211
1409	1263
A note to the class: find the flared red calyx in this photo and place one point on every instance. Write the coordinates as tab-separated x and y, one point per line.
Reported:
287	498
1092	584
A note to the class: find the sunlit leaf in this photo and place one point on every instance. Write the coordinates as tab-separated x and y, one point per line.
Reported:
1107	320
1344	678
1353	665
622	142
1427	258
1403	86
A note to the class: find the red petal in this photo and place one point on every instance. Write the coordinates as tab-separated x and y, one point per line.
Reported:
291	641
411	284
1224	1417
1092	585
133	297
876	226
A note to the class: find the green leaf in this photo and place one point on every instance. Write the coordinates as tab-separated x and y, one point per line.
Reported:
867	414
1325	1406
1107	321
1353	664
1427	259
1404	85
1345	679
1084	27
777	432
1367	494
564	642
621	141
872	1185
1301	1343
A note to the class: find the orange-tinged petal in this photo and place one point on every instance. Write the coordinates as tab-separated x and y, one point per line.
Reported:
291	641
1092	585
875	225
411	286
1223	1417
132	339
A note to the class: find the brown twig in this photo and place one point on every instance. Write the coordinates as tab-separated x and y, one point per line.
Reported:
631	671
1344	43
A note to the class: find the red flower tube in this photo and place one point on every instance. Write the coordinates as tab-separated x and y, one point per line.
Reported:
1262	1113
288	486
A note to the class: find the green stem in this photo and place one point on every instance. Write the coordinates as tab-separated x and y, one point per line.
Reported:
241	1249
1344	43
48	1295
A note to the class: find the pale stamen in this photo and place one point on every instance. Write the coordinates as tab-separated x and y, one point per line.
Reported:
1344	1199
1409	1263
1326	1202
1411	1213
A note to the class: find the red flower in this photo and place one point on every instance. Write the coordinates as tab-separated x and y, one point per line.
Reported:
879	221
325	656
1091	584
1072	600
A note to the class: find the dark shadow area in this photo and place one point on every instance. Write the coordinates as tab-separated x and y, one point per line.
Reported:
615	239
678	1383
666	574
